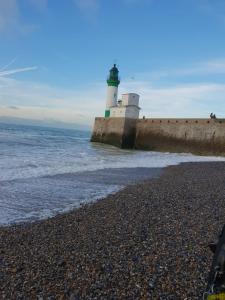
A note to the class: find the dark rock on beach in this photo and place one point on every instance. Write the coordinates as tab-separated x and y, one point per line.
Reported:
148	241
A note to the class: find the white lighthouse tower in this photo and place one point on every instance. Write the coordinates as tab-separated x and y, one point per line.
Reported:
112	92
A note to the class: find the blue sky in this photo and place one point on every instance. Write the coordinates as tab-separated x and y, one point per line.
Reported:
170	52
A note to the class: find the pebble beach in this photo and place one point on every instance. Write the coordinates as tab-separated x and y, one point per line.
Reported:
147	241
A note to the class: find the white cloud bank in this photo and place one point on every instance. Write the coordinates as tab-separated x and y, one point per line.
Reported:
11	16
42	102
38	101
191	100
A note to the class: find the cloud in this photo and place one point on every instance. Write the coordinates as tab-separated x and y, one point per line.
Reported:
216	66
129	2
190	100
11	72
187	100
86	4
11	17
210	67
212	8
89	8
42	102
7	65
13	107
61	115
40	5
9	14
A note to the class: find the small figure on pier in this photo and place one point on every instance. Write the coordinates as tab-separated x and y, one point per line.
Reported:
212	116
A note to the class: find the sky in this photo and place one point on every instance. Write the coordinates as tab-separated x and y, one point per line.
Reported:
55	57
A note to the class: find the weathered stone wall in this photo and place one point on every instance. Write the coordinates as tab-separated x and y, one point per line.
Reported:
119	132
203	136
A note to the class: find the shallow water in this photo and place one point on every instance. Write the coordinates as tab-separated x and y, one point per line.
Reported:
44	171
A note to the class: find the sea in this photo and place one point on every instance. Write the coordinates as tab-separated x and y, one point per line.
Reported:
47	171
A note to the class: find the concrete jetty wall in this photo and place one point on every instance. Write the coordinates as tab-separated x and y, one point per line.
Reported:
119	132
202	136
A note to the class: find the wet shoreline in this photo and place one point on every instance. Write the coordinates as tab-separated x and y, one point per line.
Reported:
38	198
146	241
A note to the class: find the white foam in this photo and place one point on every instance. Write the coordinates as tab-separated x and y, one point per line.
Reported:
92	159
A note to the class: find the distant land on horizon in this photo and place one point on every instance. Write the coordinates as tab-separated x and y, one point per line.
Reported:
49	123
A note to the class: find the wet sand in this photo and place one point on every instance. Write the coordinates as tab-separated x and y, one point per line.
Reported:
148	241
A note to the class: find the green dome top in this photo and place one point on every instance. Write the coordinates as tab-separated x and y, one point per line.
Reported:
113	79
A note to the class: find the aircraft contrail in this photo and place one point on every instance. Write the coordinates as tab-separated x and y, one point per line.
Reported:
9	64
10	72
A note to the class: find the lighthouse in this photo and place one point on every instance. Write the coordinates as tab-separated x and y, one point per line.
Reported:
112	91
